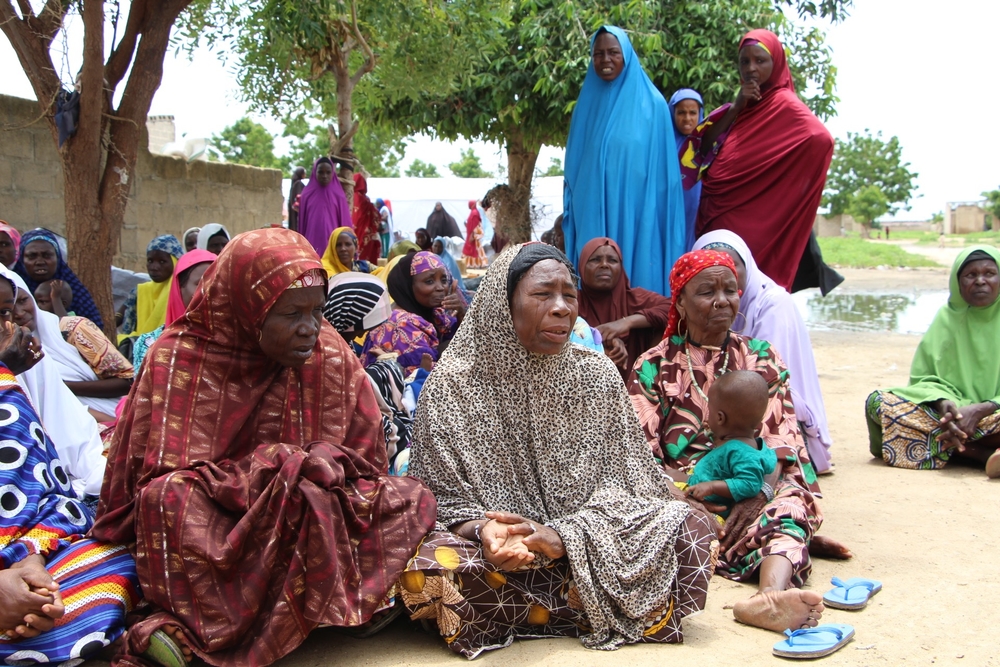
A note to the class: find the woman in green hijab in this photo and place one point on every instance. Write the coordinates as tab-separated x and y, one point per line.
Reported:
951	405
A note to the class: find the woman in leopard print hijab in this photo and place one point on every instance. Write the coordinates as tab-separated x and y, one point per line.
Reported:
553	517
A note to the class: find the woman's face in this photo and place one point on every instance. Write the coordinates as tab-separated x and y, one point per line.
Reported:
190	241
741	268
609	61
603	270
6	301
709	303
755	64
24	310
193	280
346	248
686	116
40	261
544	307
8	252
979	283
431	287
217	242
437	247
324	173
291	328
422	239
159	265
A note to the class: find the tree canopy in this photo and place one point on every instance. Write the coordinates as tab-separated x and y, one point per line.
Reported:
420	169
864	159
993	206
247	142
378	149
868	204
469	166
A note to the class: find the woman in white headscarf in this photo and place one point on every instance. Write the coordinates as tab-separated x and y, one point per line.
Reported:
213	237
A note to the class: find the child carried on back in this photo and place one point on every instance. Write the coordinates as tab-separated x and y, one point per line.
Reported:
735	468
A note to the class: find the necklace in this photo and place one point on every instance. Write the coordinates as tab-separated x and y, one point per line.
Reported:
725	366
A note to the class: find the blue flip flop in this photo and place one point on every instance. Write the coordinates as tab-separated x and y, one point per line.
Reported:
852	594
815	642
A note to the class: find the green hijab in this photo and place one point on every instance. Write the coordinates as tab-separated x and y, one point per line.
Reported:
958	359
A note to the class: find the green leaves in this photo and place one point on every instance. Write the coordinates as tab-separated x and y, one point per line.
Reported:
247	142
420	169
863	164
469	166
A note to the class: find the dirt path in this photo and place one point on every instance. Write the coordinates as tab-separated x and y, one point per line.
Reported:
930	537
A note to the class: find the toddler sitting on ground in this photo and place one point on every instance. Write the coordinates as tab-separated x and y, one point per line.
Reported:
735	468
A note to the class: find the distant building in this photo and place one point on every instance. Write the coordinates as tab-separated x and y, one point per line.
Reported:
966	217
162	131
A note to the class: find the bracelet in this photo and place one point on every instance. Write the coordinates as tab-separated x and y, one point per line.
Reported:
477	532
768	491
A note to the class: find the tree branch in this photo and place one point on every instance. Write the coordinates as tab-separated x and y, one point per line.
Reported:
121	56
32	54
369	64
51	19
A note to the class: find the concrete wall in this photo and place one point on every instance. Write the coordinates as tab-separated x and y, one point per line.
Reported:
965	219
835	225
168	194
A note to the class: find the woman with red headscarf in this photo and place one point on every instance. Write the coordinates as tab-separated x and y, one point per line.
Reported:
631	319
472	252
366	220
771	535
248	472
763	161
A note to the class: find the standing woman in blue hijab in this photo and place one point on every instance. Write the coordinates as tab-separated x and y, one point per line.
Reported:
622	176
687	111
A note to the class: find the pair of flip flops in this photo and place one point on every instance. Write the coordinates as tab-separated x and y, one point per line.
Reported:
852	594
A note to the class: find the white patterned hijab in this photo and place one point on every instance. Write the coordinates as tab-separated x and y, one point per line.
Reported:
553	438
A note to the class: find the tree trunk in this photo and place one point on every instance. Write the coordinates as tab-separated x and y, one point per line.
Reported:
514	219
342	143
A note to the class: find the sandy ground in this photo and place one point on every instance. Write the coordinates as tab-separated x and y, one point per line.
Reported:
930	537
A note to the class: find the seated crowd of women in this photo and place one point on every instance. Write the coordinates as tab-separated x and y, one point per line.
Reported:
402	447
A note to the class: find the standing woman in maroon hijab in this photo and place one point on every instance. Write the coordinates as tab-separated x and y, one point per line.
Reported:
631	319
366	219
762	161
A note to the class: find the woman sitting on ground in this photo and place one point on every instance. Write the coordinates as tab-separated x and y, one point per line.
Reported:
952	405
261	510
146	307
212	237
41	259
341	253
428	312
767	312
99	386
65	598
631	320
532	541
190	268
769	536
355	304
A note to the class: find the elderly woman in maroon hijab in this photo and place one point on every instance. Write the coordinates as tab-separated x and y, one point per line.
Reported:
323	206
631	319
762	161
248	470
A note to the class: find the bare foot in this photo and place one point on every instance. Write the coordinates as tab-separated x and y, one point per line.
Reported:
821	546
993	465
178	636
781	610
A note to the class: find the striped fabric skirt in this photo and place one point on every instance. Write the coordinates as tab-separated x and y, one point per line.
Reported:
99	588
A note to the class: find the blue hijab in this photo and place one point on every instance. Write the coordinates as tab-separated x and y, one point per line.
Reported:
623	178
456	273
692	197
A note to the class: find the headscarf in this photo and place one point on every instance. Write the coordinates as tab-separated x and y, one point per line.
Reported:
601	307
284	468
64	418
322	208
400	281
454	272
83	304
366	219
441	223
692	197
402	247
508	451
687	267
15	237
207	232
185	235
331	262
622	180
957	358
768	313
175	302
532	253
356	298
151	297
764	178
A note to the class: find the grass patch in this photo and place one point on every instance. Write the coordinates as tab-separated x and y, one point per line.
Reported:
919	236
857	253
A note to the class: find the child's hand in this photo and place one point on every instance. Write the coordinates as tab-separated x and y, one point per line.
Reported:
699	491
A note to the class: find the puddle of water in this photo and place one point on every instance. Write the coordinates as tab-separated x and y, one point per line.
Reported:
908	313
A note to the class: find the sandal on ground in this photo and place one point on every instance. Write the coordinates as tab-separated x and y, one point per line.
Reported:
993	465
164	650
815	642
852	594
378	623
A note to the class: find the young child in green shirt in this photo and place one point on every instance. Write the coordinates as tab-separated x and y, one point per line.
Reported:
735	469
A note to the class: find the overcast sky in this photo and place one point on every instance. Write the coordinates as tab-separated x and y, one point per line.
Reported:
911	69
